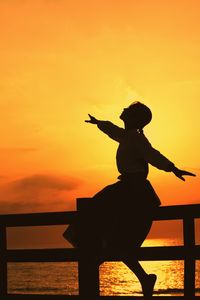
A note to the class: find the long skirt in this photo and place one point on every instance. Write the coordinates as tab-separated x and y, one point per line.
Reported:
120	216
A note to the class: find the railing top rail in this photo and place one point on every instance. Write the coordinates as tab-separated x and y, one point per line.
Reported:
171	212
174	212
37	219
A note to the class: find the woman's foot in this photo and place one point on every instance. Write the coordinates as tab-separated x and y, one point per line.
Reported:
148	286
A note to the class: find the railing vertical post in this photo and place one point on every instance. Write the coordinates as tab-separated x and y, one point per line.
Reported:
88	267
189	262
88	277
3	262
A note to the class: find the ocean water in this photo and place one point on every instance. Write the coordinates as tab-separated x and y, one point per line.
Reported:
115	277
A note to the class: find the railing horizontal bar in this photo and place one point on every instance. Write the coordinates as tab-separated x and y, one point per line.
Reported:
174	212
39	297
38	219
158	253
76	297
72	254
42	255
163	212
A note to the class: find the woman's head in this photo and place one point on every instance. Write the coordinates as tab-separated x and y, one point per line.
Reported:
137	115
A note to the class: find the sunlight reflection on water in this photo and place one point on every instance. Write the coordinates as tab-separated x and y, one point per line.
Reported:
115	277
119	280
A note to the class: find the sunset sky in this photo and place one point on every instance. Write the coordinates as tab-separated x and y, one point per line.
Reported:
61	60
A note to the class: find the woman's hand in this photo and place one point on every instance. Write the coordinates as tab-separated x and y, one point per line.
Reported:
180	173
92	120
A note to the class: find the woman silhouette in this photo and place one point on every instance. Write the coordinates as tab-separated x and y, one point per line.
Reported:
127	207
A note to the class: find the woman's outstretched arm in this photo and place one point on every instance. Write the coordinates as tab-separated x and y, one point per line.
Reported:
158	160
180	173
113	131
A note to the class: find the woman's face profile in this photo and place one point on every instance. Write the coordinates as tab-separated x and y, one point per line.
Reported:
128	113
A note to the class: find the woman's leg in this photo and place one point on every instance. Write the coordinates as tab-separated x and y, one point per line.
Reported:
136	267
147	281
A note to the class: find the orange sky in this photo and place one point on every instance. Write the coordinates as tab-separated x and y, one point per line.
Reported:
63	59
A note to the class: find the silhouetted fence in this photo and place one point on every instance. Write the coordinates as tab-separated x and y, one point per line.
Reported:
89	287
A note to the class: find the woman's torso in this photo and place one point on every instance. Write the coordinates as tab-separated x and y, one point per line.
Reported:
129	157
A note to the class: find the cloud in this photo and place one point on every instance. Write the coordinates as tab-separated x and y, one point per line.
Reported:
39	192
39	181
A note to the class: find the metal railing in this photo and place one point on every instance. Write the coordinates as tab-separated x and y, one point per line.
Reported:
189	252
